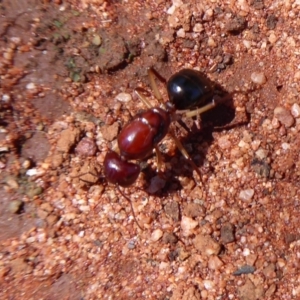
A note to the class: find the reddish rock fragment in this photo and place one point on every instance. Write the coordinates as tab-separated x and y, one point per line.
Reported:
206	245
110	132
86	147
172	210
284	116
227	233
67	139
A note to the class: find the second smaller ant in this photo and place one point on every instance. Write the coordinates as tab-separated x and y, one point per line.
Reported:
187	89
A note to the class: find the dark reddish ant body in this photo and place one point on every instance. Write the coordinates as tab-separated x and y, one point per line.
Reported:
187	90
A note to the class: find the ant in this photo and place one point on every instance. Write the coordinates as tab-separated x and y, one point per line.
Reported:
187	90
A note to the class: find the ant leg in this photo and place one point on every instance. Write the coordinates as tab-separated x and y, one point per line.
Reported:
143	99
185	154
115	148
201	110
152	75
153	84
133	214
159	158
216	100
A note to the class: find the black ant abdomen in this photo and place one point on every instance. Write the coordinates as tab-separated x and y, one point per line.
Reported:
189	89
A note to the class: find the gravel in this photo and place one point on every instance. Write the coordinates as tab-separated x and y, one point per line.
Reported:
68	71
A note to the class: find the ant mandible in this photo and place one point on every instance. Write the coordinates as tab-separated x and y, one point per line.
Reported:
187	89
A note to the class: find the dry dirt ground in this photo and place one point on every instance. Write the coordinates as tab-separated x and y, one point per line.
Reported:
68	74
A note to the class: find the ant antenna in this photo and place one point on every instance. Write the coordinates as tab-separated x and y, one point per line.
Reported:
130	202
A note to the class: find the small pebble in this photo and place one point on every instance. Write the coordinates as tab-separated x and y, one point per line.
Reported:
211	43
247	44
208	284
270	291
15	206
269	271
35	172
275	123
171	10
84	208
30	240
183	254
16	40
177	3
194	210
6	98
181	33
11	182
188	225
131	245
172	210
206	245
123	97
26	164
198	27
255	144
224	142
156	235
244	270
4	149
236	25
170	238
41	214
8	55
272	38
243	5
68	138
258	78
86	147
110	132
285	146
208	14
30	86
246	252
97	40
246	195
47	207
261	153
51	220
227	233
81	233
156	184
242	144
214	263
34	191
284	116
42	237
295	110
261	167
